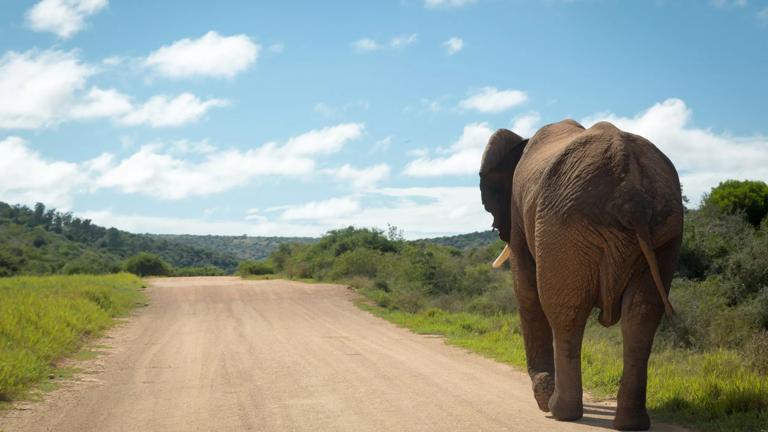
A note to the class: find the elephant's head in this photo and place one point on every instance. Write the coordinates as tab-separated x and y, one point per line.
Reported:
501	155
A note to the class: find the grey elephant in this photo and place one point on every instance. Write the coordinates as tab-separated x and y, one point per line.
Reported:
592	218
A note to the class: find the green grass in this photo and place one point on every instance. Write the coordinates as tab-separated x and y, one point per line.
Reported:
45	318
711	391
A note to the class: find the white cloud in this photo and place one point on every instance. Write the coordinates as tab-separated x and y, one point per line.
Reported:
161	111
152	172
360	178
382	145
702	157
463	156
447	3
322	210
102	103
526	125
27	178
415	210
365	45
453	45
211	55
403	40
492	100
63	17
37	88
324	141
43	88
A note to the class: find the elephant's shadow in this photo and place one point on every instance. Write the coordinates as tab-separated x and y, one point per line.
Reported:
601	416
597	416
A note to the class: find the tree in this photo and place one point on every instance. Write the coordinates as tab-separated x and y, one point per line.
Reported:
748	197
147	264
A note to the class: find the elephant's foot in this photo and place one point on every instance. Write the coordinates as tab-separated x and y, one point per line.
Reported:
543	387
631	419
565	410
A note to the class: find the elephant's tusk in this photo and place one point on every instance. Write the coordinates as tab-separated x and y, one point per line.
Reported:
503	256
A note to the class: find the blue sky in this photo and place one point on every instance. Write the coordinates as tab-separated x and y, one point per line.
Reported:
292	118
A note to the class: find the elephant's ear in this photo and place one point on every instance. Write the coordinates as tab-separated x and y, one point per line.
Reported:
497	167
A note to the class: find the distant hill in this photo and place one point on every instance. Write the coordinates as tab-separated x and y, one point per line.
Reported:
466	241
41	241
241	247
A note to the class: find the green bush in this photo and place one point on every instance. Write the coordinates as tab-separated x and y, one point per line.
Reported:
147	264
248	268
747	197
198	271
91	263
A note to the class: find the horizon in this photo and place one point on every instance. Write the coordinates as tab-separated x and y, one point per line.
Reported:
290	120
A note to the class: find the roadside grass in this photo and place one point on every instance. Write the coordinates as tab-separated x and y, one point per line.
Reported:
711	391
45	318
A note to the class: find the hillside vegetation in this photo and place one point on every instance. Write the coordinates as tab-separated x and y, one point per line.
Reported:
45	318
710	362
476	239
39	241
241	247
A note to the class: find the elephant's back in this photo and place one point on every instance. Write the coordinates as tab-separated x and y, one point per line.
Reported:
606	176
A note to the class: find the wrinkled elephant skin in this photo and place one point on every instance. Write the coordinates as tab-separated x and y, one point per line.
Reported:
592	219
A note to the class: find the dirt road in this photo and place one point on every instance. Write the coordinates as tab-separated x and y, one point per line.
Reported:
221	354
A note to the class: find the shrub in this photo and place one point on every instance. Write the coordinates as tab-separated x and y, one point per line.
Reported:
747	197
198	271
91	263
147	264
357	262
248	268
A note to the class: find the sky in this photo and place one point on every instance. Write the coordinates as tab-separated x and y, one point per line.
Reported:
291	118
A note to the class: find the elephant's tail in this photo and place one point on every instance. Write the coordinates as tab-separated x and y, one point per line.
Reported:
643	237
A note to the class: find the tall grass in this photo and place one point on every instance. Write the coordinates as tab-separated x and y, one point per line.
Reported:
45	318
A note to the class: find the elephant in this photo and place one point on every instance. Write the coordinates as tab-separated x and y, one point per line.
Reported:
591	218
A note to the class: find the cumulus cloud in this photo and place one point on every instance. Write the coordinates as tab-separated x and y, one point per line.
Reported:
461	158
526	125
37	88
154	172
365	45
360	178
212	55
63	17
415	210
403	40
453	45
493	100
162	111
432	4
26	177
102	103
703	158
40	89
321	210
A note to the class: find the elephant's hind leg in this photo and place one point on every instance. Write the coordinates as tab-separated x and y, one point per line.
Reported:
641	311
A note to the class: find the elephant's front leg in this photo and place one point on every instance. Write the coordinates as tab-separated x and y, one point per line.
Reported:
566	402
537	334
